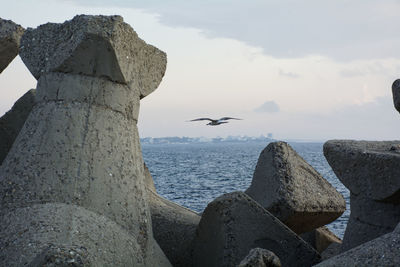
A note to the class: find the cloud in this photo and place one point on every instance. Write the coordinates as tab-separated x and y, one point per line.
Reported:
289	74
374	120
349	73
345	30
268	107
372	68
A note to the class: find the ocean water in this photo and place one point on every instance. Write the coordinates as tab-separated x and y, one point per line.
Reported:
192	175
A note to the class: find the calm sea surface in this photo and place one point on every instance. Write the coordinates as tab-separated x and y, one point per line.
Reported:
192	175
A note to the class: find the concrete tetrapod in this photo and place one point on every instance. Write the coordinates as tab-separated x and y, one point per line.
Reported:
259	257
369	169
396	94
382	251
293	191
233	224
321	238
74	176
10	36
174	226
12	122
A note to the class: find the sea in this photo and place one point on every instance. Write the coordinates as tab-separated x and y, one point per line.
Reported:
194	174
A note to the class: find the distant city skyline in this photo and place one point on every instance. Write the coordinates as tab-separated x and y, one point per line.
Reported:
312	70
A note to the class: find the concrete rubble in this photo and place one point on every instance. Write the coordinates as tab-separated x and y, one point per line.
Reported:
10	36
293	191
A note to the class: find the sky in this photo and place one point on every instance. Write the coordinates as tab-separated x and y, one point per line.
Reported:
310	70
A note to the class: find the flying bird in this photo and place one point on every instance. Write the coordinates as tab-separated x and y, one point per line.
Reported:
216	122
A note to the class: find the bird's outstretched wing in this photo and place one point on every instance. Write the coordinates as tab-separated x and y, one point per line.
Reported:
202	119
228	118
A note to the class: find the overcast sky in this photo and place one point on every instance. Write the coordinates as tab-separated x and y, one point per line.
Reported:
297	69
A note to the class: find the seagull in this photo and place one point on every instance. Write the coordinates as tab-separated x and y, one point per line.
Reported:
216	122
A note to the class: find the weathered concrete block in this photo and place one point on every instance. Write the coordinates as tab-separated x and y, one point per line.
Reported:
61	256
369	168
234	223
174	226
293	191
382	251
331	251
369	219
396	94
320	238
259	257
44	232
370	171
10	36
12	122
97	46
80	148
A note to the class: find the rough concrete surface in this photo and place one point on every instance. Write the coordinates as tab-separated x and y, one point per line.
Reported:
293	191
174	226
234	223
259	257
396	94
382	251
10	36
37	228
369	169
99	46
12	122
80	147
320	238
331	251
369	219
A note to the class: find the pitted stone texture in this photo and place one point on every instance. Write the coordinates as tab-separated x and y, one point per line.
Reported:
81	153
101	46
370	168
174	226
10	36
81	147
28	233
293	191
370	171
61	256
12	122
259	257
382	251
320	238
396	94
234	223
102	93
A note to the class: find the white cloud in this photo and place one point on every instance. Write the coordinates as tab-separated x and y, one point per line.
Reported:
289	74
219	77
345	30
268	107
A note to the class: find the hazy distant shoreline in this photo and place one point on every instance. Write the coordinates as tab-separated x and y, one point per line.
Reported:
228	139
